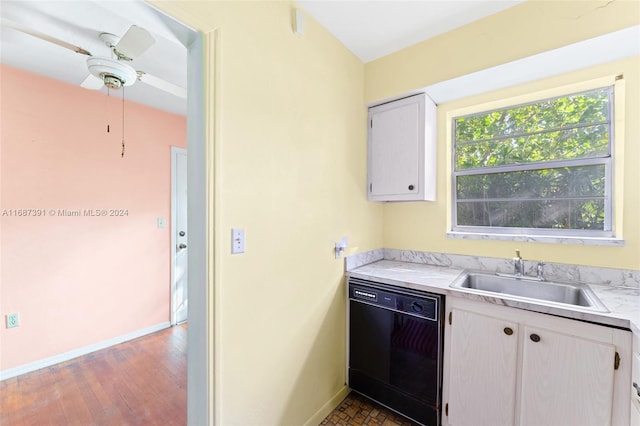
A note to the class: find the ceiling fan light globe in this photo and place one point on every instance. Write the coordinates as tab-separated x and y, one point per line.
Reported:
101	67
111	81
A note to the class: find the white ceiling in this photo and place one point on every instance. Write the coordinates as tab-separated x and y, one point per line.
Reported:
80	23
369	28
375	28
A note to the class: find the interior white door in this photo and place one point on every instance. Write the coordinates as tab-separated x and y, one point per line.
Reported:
179	249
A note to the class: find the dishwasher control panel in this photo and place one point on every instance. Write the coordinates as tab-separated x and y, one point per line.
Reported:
424	305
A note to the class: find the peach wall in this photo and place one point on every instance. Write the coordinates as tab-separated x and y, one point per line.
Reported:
78	281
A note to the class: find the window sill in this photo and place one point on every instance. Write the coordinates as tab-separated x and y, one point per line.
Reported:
585	241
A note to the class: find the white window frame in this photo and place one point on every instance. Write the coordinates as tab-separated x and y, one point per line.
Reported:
612	211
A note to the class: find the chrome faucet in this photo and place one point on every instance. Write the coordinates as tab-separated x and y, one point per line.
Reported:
518	264
540	271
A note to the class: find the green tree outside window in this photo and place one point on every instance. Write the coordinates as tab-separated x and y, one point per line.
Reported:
542	165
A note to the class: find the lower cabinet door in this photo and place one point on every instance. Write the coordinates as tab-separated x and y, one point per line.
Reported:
635	414
482	370
566	380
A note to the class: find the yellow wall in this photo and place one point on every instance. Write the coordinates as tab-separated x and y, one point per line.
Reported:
530	28
290	169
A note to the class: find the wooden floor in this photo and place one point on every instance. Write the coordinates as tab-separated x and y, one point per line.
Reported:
140	382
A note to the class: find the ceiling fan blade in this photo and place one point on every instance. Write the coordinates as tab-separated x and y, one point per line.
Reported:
135	42
92	82
38	34
161	84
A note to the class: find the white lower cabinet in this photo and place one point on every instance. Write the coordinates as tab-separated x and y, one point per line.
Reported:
507	366
635	383
566	380
484	364
635	414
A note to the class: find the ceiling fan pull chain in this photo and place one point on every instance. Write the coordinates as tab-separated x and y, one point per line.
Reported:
122	153
107	115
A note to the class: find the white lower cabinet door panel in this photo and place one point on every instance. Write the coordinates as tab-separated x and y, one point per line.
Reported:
565	380
635	383
483	363
635	414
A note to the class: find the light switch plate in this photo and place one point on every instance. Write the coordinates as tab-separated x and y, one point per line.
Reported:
237	241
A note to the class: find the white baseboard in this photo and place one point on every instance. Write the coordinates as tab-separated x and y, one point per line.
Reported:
328	407
47	362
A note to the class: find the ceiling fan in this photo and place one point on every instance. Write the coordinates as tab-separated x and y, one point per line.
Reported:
113	72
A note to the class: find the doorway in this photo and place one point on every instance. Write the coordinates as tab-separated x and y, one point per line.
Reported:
158	22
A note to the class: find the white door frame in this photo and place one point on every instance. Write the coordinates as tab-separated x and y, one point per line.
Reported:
175	151
200	214
200	352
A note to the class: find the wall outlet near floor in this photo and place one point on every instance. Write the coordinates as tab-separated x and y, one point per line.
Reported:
13	320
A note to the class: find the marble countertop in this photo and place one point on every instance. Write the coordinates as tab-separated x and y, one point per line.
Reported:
623	303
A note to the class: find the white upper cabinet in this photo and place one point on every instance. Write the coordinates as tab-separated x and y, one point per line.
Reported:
401	150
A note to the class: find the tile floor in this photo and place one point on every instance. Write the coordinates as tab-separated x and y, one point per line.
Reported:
359	410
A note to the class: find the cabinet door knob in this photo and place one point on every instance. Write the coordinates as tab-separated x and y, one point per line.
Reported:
410	187
508	331
635	385
534	338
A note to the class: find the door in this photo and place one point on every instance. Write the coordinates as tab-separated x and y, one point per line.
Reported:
482	370
566	380
401	150
395	146
179	250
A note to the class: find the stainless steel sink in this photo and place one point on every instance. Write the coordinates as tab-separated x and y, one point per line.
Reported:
575	294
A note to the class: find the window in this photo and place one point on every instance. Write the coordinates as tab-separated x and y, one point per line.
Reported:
542	168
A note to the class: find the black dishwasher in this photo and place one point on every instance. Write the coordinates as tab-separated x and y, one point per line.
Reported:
395	348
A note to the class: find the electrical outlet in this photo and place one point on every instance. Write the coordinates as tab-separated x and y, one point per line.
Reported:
13	320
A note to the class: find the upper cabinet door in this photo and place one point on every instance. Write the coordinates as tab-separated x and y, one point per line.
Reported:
401	150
